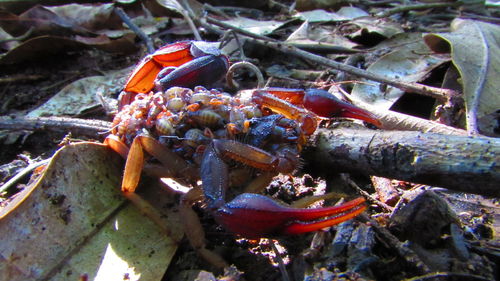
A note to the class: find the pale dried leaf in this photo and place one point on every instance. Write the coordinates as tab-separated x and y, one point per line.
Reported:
319	35
80	95
381	27
344	14
320	16
71	223
410	63
479	69
92	17
260	27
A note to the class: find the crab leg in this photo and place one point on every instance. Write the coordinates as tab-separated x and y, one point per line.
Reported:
133	167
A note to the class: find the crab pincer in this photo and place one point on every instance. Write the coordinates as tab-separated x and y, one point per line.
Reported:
255	216
326	105
183	64
320	102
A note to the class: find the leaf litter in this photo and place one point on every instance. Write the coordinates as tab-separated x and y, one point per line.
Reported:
96	238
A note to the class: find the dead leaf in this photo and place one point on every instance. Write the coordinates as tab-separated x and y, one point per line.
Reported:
93	17
319	35
367	25
344	14
33	48
261	27
479	69
75	223
411	62
80	95
41	21
49	45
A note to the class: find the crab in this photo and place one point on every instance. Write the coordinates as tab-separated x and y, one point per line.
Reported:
200	134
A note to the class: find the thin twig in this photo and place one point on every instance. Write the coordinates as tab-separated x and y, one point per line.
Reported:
238	30
23	173
21	78
126	19
407	8
438	93
392	120
188	15
459	275
366	195
281	264
379	2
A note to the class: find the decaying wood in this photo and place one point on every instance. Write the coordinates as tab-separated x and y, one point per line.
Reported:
461	163
92	128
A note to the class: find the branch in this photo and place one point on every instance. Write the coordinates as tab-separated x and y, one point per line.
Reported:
460	163
438	93
77	126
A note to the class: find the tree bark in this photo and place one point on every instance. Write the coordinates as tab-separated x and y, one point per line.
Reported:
461	163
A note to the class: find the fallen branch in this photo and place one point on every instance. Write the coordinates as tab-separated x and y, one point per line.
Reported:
392	120
461	163
438	93
126	19
76	126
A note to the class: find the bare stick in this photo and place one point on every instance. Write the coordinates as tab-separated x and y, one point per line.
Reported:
438	93
392	120
460	163
126	19
59	124
281	264
417	7
22	173
188	15
346	178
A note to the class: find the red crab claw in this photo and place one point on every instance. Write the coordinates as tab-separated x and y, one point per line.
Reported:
255	216
172	55
327	105
201	71
144	75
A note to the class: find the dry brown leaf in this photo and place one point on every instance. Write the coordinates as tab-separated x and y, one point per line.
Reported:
93	17
41	21
48	45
